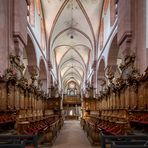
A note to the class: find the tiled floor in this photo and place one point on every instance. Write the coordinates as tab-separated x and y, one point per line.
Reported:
72	136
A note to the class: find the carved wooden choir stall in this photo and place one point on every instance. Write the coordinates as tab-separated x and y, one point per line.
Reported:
24	107
121	107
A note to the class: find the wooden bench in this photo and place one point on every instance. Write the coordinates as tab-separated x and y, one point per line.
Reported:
108	139
27	140
129	144
12	146
138	142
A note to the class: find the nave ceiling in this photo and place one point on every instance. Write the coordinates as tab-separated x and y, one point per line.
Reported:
72	33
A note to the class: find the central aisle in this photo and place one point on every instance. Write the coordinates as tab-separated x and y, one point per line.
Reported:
72	136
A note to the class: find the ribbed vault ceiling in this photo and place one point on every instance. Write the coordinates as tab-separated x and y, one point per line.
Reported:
72	32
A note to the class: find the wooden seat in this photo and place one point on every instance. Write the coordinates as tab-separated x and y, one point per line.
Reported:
27	140
12	146
105	139
129	144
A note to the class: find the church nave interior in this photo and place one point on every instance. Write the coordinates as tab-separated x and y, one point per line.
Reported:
73	73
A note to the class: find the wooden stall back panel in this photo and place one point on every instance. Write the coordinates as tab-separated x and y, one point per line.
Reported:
87	105
146	94
127	98
26	100
21	98
114	100
45	105
122	98
133	97
118	100
111	100
36	99
34	114
92	105
3	96
29	113
17	98
141	96
24	114
102	104
37	104
30	100
97	105
105	102
108	101
40	104
49	105
11	96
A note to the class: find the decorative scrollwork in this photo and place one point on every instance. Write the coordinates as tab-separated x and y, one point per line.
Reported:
23	82
16	65
109	73
129	74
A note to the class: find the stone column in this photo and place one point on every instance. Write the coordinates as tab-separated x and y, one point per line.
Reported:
20	26
6	36
13	30
132	30
49	86
94	78
140	35
124	35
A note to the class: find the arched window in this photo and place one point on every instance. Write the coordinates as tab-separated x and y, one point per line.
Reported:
31	17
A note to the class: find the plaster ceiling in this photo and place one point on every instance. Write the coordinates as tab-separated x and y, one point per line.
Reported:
72	32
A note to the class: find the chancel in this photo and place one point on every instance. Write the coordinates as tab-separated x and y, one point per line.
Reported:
73	73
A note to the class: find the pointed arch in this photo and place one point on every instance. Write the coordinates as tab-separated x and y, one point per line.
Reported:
43	74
